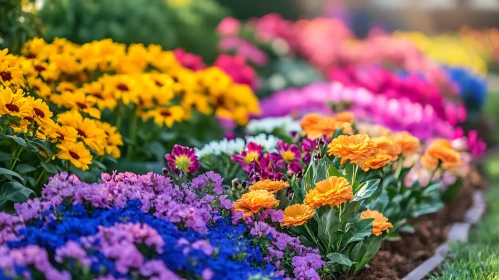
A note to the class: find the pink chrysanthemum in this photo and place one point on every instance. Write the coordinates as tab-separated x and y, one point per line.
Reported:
183	158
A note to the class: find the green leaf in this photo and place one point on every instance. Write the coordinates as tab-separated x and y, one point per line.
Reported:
339	259
338	132
367	189
357	232
5	156
15	192
50	168
370	246
25	168
157	149
18	140
332	171
328	227
8	173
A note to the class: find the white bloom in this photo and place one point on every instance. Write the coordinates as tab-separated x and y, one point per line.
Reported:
233	146
287	124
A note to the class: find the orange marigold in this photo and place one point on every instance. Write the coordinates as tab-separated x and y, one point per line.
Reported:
407	142
308	121
269	185
356	148
429	162
324	127
381	159
388	145
297	215
252	202
332	191
345	117
447	155
380	222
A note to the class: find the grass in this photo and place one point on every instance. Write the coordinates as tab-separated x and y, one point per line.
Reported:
478	259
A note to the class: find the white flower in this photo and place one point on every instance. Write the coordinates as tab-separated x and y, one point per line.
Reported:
287	124
233	146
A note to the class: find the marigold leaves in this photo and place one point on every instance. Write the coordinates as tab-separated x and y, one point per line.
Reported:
363	251
357	232
49	168
366	190
328	227
15	192
338	258
332	171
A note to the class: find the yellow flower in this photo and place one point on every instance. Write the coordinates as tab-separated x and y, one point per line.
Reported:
13	104
113	139
408	143
332	191
76	153
80	101
103	99
63	133
122	87
166	115
297	215
87	129
40	111
269	185
381	159
380	222
356	148
252	202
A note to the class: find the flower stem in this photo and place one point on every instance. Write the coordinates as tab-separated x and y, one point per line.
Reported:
39	177
399	167
16	154
133	137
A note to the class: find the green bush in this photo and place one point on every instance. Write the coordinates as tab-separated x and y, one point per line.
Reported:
17	24
189	24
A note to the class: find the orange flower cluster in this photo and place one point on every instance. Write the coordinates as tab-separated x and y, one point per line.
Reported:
297	215
356	148
440	150
315	126
254	201
380	222
332	191
269	185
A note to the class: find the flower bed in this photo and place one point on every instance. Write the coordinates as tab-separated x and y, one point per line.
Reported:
324	181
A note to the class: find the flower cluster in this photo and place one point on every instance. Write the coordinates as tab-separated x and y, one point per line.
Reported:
143	225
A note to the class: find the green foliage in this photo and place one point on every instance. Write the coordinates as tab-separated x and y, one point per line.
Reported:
17	25
191	26
478	259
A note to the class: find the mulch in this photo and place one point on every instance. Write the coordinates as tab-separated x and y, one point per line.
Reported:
396	259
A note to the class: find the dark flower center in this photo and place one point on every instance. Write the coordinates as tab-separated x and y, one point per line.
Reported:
98	95
60	136
158	84
166	113
81	133
39	113
81	105
29	119
6	76
30	55
122	87
40	68
74	155
12	107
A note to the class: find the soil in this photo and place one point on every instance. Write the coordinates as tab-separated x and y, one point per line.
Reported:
396	259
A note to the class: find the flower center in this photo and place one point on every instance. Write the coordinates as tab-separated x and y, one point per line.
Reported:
81	105
182	162
29	119
39	113
122	87
6	76
251	156
288	156
165	113
81	133
39	68
74	155
12	107
60	136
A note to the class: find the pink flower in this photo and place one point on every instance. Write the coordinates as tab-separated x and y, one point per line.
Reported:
189	60
289	152
183	158
236	67
253	152
228	26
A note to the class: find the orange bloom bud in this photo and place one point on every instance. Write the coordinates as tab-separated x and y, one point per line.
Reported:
332	191
380	222
298	214
408	143
269	185
252	202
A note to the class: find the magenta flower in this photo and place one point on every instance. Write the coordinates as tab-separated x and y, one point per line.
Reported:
228	26
253	152
183	158
189	60
238	69
289	152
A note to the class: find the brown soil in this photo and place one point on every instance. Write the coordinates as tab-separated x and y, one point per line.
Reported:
396	259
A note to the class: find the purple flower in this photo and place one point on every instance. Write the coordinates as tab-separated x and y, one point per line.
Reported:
289	152
183	158
252	153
